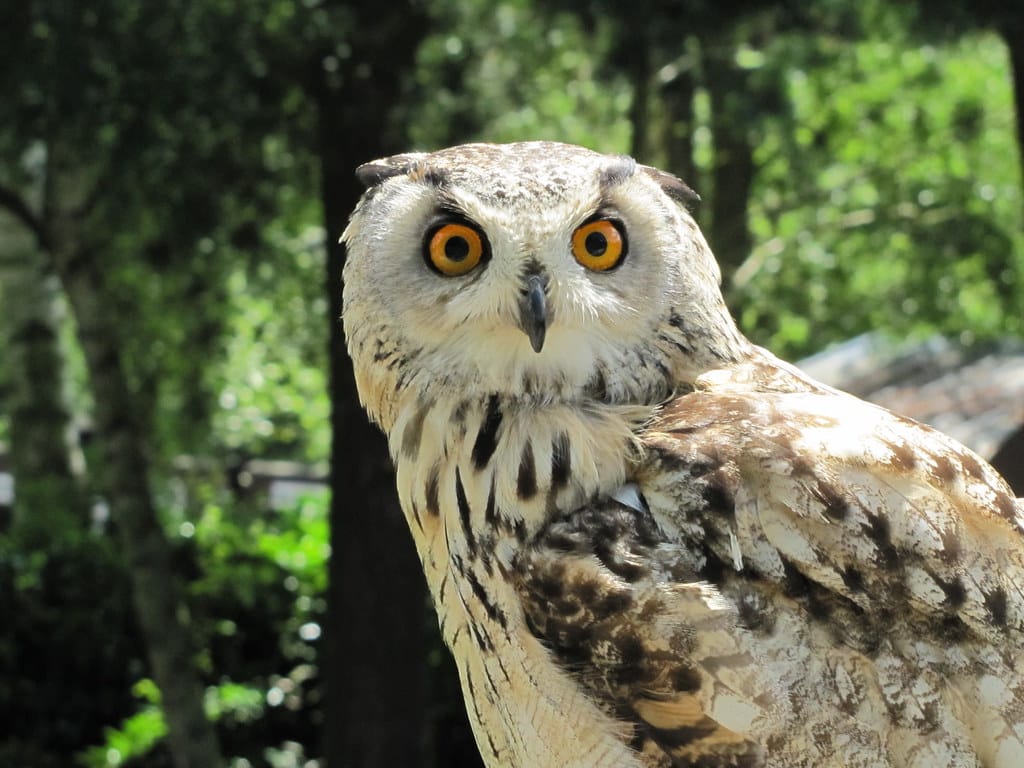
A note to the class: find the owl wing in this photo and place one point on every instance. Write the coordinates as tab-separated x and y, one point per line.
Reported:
879	510
621	610
868	533
888	555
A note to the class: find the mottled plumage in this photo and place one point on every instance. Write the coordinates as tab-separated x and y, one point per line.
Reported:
649	542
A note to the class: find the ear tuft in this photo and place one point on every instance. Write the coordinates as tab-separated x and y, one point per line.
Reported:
672	185
378	171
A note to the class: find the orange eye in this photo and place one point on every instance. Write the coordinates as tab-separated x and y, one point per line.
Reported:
599	245
454	249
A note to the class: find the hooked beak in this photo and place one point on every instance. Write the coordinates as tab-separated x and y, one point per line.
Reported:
533	311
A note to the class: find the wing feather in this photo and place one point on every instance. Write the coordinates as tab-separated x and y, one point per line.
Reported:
808	577
879	509
903	551
618	607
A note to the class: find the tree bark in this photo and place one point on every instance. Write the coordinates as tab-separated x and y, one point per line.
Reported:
378	705
157	591
733	167
638	65
377	647
677	98
48	505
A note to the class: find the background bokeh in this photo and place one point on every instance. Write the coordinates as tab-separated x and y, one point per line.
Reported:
201	559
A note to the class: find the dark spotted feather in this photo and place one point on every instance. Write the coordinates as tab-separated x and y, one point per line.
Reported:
621	610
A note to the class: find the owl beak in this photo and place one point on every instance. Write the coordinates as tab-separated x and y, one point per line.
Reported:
533	310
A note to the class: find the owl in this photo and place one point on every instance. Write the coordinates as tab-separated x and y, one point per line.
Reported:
650	542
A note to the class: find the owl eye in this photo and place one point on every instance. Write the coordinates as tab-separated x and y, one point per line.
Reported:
454	249
599	245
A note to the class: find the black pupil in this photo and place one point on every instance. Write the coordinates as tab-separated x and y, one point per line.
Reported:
456	248
596	244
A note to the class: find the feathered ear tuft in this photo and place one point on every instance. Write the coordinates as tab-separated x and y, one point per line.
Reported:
672	185
378	171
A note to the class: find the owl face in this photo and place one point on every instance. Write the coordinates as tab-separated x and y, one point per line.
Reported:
530	269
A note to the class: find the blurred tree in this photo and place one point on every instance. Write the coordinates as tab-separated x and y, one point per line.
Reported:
735	105
670	53
160	138
513	71
351	59
378	699
950	19
377	703
677	93
883	197
157	589
49	504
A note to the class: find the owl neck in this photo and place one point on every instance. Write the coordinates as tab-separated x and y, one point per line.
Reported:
499	467
477	478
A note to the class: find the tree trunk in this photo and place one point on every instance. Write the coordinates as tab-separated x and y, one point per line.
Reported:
677	97
733	166
48	503
157	592
1012	30
638	65
377	654
378	704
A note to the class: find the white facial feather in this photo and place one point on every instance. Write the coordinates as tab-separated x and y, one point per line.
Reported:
464	332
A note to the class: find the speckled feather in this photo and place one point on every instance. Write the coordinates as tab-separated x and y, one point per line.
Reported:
801	579
625	612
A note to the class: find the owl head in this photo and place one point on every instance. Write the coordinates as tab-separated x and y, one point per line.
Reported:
529	270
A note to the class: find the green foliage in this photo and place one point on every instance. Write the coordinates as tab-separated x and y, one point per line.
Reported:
273	393
69	650
141	732
135	737
258	604
299	544
888	196
242	703
504	72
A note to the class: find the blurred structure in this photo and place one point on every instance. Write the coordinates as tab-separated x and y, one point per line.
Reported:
975	394
6	490
277	484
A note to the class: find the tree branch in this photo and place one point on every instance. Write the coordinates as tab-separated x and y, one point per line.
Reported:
17	206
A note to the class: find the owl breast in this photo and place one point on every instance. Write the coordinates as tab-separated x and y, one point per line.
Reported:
477	480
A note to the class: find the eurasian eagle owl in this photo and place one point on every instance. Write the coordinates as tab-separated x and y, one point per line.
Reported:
650	542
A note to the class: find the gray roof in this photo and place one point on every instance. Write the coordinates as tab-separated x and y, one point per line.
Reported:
976	395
